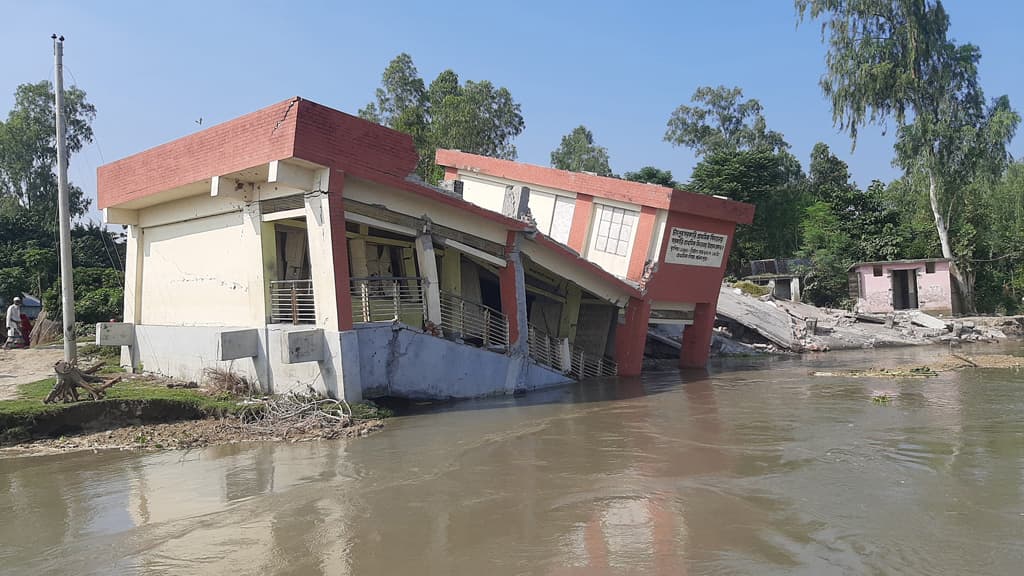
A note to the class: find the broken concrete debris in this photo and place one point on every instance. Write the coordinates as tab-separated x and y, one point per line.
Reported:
765	324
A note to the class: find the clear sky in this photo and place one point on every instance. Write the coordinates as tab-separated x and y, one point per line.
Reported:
153	68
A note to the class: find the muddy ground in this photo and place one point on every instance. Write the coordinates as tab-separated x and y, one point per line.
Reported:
21	366
184	435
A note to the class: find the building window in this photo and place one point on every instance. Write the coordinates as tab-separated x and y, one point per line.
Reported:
614	229
877	270
929	267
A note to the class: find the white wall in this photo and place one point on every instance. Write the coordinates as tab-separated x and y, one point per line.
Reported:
490	195
197	273
561	221
552	209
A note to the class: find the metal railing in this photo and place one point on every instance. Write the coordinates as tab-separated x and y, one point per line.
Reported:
385	299
551	352
473	323
545	349
585	365
291	302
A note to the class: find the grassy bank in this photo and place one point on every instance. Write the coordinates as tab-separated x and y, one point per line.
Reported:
130	400
145	408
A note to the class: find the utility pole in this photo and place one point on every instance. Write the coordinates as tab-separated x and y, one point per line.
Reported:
66	281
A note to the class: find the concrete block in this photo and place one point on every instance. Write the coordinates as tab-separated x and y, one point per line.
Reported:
237	344
114	334
302	346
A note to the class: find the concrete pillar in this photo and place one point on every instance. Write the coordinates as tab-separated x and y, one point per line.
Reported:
133	260
339	254
631	337
581	222
358	255
259	281
408	266
328	255
794	289
428	271
642	242
451	271
697	337
570	312
512	281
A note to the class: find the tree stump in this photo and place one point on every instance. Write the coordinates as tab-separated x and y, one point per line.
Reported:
70	379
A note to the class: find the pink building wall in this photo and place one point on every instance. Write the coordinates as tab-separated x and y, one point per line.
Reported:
934	290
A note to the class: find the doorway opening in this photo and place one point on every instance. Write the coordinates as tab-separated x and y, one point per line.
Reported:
904	289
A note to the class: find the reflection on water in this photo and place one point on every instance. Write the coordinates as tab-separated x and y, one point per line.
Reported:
755	469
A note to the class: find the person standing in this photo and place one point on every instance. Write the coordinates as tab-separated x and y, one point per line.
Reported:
14	324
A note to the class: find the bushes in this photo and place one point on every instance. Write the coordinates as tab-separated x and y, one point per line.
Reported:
751	289
99	295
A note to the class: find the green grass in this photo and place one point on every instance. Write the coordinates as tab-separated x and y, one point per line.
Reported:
748	287
367	410
22	411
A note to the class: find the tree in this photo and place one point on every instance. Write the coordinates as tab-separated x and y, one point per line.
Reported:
893	59
474	117
721	121
652	175
578	153
28	150
401	92
767	180
478	118
28	209
827	244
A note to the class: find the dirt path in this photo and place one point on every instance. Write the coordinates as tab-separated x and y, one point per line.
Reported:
22	366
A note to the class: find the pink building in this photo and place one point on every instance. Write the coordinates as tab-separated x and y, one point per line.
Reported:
881	287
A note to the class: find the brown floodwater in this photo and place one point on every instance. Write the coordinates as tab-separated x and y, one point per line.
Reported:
755	468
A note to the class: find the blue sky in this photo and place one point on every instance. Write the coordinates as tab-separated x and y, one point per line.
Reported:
620	68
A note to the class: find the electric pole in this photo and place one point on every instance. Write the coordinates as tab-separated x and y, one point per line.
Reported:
66	281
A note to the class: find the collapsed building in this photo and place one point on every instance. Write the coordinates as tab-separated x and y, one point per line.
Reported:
294	245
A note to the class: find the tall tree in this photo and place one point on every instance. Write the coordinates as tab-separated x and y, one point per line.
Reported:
579	153
652	175
722	121
28	149
475	117
843	226
893	59
478	118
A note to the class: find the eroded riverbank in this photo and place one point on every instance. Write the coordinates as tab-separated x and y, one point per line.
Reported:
753	468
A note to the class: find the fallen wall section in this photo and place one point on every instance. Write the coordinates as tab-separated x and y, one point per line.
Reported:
396	360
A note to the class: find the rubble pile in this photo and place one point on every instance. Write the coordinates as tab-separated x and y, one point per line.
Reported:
765	324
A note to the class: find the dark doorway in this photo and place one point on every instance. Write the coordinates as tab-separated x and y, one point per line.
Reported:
490	292
904	289
783	289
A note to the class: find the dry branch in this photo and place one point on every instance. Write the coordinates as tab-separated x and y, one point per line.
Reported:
70	379
298	415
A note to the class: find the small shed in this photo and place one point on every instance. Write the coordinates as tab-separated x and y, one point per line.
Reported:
924	284
781	276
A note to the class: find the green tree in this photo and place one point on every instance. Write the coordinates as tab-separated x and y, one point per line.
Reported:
99	295
475	117
401	103
28	205
893	59
28	150
579	153
722	121
827	244
652	175
478	118
767	180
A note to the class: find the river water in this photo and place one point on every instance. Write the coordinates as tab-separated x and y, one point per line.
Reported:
757	468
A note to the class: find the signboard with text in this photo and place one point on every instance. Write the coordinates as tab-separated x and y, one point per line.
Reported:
695	248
